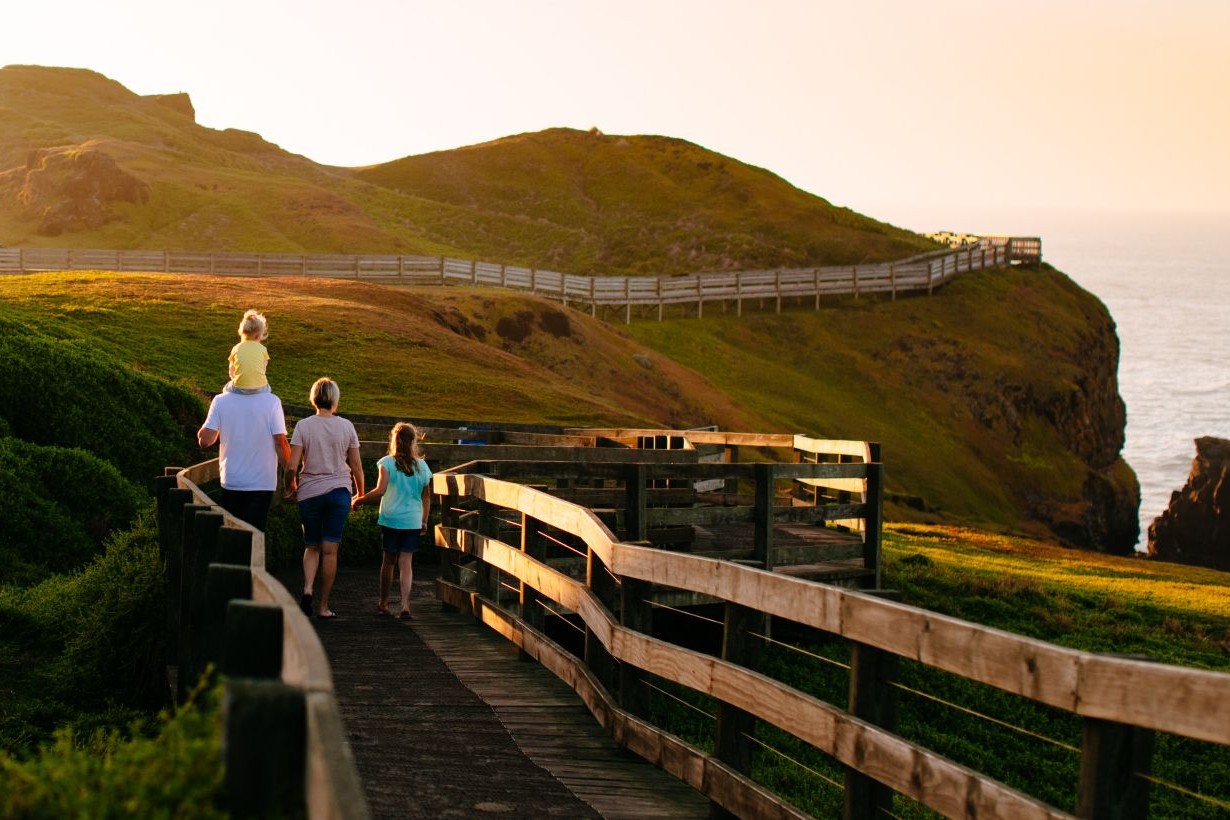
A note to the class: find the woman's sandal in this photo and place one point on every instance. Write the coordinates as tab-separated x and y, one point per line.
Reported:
327	615
382	609
406	616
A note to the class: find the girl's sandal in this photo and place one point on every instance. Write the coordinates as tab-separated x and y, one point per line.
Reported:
406	616
382	609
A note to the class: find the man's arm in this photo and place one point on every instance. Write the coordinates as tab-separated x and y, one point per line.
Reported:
282	447
207	437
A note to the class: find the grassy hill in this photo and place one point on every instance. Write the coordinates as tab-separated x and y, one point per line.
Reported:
972	429
86	163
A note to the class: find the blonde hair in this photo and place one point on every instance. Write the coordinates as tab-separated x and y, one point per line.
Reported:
324	394
404	446
253	326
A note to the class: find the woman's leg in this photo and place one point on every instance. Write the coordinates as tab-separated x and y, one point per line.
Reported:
311	562
405	565
328	571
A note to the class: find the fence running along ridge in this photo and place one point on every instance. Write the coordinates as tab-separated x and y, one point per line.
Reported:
285	748
921	273
512	533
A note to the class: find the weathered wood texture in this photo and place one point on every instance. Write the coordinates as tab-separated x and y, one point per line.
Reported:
1189	702
332	788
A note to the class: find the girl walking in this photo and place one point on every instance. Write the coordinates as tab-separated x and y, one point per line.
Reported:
403	489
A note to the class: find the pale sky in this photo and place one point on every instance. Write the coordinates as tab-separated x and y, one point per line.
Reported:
927	114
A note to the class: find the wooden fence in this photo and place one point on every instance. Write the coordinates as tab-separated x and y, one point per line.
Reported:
506	540
285	748
917	274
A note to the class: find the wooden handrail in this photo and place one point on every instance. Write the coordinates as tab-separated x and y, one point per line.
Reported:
332	788
1183	701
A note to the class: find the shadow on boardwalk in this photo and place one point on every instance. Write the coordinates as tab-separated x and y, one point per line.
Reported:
445	721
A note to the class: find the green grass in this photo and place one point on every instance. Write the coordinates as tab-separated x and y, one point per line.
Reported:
1171	613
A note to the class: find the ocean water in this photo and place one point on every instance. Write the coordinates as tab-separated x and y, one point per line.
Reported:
1166	282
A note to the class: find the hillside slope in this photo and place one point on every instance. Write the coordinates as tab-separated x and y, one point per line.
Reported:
973	429
84	162
996	401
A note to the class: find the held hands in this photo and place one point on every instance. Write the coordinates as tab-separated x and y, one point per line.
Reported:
357	502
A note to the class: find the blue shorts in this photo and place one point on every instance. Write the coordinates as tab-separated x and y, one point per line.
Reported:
396	541
324	516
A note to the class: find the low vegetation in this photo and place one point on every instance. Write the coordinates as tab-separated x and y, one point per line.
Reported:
1167	612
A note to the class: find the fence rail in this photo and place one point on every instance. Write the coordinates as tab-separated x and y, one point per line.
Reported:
922	273
286	752
505	529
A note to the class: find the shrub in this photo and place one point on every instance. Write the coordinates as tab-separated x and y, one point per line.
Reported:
66	393
59	505
89	648
173	771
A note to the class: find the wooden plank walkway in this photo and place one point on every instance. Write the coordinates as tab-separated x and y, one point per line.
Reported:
445	720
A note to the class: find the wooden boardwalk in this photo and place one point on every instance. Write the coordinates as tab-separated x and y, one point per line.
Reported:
445	720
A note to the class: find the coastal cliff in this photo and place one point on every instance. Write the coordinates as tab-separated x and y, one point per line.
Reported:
1195	527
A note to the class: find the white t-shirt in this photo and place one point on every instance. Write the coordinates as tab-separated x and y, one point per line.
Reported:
325	440
246	425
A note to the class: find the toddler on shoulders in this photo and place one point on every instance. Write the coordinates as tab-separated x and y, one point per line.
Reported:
248	359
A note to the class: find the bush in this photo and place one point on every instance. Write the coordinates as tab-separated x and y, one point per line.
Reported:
65	393
173	771
89	648
59	505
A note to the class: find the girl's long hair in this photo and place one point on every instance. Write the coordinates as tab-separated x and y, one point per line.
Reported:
404	446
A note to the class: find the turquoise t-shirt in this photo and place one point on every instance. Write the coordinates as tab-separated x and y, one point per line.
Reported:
401	506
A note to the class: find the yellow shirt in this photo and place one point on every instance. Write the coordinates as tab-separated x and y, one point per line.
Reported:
248	360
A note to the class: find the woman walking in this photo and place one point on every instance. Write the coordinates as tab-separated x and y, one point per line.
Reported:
404	492
326	446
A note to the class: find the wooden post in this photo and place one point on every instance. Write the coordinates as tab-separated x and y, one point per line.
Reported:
254	635
473	272
1111	756
450	561
777	286
930	275
503	275
603	586
234	547
872	524
189	615
635	612
533	545
739	294
892	279
401	266
593	300
486	576
700	300
658	284
741	644
815	274
763	515
873	698
171	547
264	749
854	277
223	583
636	519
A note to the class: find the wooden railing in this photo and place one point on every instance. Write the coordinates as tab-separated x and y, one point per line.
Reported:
512	536
286	749
922	273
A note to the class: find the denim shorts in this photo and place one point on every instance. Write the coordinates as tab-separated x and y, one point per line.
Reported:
324	516
399	540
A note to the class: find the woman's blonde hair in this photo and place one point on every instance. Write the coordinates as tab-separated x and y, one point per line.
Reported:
324	394
254	326
404	446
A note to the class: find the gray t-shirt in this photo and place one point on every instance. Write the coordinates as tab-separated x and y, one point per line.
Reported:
325	441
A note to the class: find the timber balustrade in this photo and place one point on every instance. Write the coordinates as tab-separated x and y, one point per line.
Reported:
529	564
285	749
917	274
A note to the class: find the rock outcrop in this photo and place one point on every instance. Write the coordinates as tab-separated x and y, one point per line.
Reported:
1195	528
73	188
